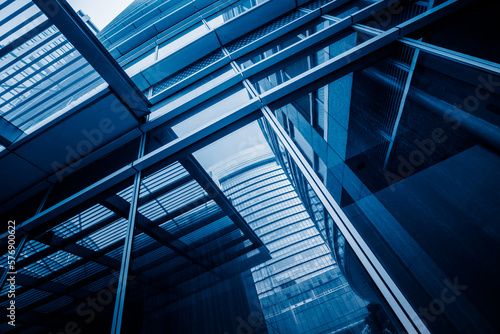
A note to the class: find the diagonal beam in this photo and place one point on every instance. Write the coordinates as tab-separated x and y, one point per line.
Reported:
8	132
178	148
121	207
76	31
61	243
206	182
165	189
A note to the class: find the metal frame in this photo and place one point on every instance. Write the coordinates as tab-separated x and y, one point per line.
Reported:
127	248
181	148
76	31
401	307
241	115
8	132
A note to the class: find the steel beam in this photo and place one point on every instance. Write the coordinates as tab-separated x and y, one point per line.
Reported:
201	176
83	39
8	132
121	206
392	294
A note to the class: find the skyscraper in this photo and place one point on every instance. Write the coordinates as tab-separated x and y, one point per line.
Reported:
301	289
381	119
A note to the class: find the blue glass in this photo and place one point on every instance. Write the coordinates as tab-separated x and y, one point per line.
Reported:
284	42
232	11
303	287
307	60
391	139
178	99
180	39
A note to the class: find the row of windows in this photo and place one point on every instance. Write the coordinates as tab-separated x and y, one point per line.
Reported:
298	247
176	38
285	230
291	239
256	204
298	259
262	186
298	273
277	207
251	177
263	221
252	197
260	271
263	230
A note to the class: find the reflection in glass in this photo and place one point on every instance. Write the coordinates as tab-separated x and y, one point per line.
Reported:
395	145
180	39
283	42
232	11
302	288
307	60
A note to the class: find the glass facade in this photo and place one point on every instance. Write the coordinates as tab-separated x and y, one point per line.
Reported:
41	71
276	166
301	289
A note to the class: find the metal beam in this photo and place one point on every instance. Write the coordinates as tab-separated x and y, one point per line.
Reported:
171	151
8	132
201	176
127	250
392	294
83	39
181	147
24	38
121	206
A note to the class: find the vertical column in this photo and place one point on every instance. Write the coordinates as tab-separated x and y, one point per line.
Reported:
127	248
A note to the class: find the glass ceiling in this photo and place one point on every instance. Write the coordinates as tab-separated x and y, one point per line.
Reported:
181	232
41	73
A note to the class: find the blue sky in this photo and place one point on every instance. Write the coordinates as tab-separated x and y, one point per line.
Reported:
101	12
